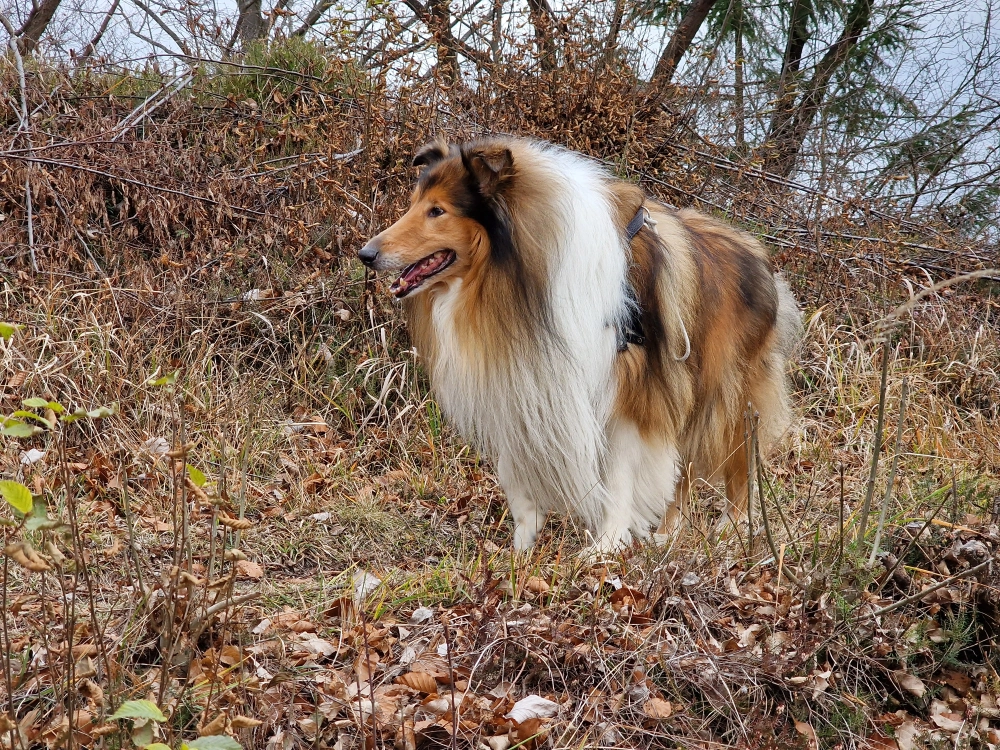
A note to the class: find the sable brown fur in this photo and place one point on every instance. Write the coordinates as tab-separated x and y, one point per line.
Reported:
720	283
719	326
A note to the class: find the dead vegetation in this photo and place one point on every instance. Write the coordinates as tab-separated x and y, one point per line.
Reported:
264	529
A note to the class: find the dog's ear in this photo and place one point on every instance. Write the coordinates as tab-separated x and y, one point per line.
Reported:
431	153
490	164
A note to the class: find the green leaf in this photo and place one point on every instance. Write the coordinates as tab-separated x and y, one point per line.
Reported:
17	495
31	415
196	476
48	524
7	330
103	411
99	412
213	742
14	428
41	403
139	710
156	746
143	732
165	380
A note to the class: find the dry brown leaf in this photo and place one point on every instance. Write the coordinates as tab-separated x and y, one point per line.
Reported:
910	683
628	597
536	585
944	718
956	680
303	626
365	667
657	708
532	707
230	656
85	668
806	730
235	523
319	646
24	555
421	681
245	722
249	569
91	691
214	727
530	733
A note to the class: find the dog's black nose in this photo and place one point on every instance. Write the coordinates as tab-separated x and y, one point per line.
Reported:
368	253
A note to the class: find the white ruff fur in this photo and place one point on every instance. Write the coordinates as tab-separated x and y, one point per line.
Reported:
545	418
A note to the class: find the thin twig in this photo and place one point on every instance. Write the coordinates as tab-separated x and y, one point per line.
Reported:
930	589
763	509
153	102
877	446
451	677
840	538
944	284
913	541
892	473
128	180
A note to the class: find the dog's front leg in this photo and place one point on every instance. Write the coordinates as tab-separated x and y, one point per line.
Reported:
528	518
625	453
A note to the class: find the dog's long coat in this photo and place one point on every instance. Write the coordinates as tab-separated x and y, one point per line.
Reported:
520	283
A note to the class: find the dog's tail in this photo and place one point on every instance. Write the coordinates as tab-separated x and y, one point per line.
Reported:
788	326
770	393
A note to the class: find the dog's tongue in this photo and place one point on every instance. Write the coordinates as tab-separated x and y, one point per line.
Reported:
413	275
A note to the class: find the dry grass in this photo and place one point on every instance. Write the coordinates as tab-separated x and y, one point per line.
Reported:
297	397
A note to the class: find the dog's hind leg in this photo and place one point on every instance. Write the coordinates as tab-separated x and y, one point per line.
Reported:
677	511
528	517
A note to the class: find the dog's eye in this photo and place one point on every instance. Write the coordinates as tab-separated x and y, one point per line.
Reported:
435	212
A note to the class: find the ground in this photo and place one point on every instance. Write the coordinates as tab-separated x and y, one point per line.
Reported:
261	524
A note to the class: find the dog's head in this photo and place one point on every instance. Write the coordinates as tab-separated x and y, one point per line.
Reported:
455	220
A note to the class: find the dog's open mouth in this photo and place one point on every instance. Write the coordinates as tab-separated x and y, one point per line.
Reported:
415	274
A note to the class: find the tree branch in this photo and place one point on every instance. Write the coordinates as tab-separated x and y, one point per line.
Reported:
163	25
680	42
788	137
321	7
88	51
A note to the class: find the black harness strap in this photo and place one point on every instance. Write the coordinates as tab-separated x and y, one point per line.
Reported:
630	331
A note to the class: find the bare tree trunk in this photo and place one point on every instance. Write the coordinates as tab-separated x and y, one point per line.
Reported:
251	25
680	42
497	31
34	27
543	19
785	142
795	43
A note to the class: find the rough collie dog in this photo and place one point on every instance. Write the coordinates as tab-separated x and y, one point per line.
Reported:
598	347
